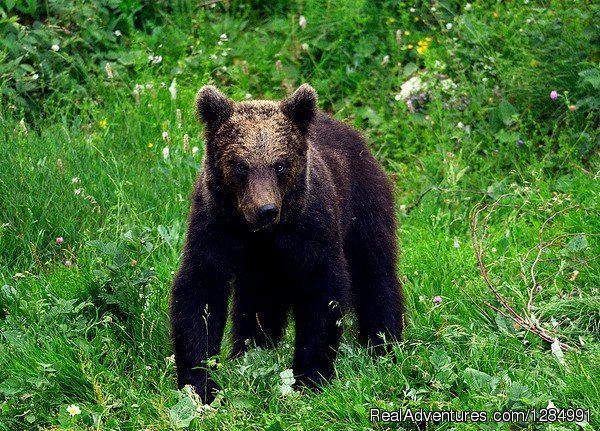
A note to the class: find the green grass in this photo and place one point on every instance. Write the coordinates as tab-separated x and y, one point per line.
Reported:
96	334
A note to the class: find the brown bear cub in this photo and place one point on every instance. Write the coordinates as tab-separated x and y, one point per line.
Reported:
290	212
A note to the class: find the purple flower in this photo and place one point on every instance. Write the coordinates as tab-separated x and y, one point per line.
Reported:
553	95
437	299
60	240
520	143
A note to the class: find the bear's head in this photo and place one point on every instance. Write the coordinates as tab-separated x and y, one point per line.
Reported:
257	150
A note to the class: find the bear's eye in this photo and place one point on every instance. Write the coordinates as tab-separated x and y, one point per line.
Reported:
279	168
241	168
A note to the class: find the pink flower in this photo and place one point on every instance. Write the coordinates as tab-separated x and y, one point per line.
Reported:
553	95
60	240
68	263
437	299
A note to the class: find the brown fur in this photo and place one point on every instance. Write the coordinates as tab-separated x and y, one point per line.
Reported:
293	212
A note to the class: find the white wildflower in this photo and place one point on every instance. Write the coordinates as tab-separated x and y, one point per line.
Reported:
186	143
447	84
178	115
412	85
109	71
386	60
468	7
456	243
195	151
55	47
460	125
173	89
117	33
165	136
35	76
166	152
23	126
302	22
73	410
449	26
305	46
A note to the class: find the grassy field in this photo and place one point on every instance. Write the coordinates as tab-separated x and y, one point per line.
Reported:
485	115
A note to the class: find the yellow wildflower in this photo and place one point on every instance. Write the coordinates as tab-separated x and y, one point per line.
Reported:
417	18
103	123
391	20
150	145
406	33
495	14
421	50
427	39
409	46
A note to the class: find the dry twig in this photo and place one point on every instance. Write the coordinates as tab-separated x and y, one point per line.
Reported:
479	228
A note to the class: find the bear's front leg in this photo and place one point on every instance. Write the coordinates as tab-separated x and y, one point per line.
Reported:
199	299
198	316
318	315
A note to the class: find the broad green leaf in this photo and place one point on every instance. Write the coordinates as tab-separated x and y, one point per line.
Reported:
183	413
439	358
507	113
477	379
518	392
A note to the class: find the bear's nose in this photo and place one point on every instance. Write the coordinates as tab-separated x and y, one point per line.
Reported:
267	213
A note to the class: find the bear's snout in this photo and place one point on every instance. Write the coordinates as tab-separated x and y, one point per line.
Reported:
267	214
261	202
263	215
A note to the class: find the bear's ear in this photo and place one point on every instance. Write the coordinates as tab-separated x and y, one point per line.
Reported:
213	107
301	107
